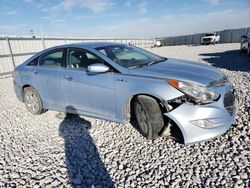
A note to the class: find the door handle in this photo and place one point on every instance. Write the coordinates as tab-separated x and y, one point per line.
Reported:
35	71
69	78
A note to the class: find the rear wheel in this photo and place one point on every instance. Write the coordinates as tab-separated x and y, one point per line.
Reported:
149	116
32	101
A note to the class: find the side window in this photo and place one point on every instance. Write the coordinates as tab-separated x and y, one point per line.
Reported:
53	59
81	59
103	52
33	63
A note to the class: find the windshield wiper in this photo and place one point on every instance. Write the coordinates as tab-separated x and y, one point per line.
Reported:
149	63
136	66
158	61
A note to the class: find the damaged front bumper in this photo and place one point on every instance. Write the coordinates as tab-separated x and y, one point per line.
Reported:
202	122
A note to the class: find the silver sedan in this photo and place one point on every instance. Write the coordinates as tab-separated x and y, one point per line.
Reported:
122	83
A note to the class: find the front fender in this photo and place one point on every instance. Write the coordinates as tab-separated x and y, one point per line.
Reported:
127	86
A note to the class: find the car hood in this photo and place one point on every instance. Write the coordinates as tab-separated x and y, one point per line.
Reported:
182	70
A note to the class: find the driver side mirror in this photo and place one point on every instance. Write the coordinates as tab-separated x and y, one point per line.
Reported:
98	68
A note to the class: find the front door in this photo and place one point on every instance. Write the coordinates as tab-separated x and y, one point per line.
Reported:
91	93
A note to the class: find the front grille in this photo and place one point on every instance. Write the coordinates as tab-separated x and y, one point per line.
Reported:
207	39
229	99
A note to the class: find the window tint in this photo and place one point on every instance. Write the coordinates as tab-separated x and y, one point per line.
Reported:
81	59
33	63
53	59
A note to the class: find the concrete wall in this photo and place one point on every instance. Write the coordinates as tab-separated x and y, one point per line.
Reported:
226	36
15	50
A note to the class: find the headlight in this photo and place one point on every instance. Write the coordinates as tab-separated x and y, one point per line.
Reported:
198	93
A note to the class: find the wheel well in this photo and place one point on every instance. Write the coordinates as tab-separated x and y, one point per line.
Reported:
24	86
130	110
175	130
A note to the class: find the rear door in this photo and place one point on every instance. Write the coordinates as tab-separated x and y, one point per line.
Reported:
88	92
48	79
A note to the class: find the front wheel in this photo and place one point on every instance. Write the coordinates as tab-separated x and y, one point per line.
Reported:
32	101
149	116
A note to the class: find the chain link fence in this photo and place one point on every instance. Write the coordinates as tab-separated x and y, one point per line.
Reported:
15	50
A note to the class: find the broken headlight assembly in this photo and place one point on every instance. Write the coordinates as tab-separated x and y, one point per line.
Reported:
198	94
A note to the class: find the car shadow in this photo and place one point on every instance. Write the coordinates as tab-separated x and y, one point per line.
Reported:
173	133
84	166
233	60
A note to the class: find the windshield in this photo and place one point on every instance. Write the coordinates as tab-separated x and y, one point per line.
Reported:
130	56
209	35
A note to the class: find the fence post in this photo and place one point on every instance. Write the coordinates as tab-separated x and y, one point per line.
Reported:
43	42
11	54
231	35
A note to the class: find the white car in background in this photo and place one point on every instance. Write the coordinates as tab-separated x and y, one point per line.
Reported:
245	43
210	38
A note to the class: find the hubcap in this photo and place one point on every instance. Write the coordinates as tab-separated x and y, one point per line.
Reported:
141	117
31	101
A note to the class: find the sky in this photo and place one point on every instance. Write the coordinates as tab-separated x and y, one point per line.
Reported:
121	18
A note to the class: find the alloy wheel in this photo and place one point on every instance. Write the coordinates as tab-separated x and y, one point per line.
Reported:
141	117
31	101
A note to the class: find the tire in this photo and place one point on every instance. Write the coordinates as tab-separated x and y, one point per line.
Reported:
32	101
149	116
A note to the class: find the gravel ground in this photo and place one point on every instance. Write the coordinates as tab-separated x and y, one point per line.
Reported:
47	151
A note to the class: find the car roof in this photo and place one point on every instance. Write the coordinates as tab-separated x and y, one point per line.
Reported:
87	45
